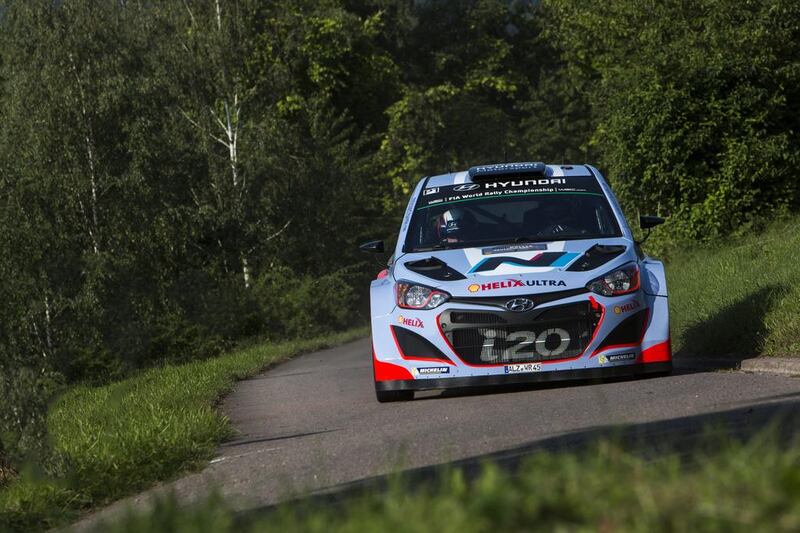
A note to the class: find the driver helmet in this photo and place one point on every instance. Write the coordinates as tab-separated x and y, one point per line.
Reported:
453	224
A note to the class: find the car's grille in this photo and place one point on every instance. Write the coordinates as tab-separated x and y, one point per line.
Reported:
466	317
488	338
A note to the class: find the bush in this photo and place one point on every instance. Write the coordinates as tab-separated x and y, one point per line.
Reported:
303	306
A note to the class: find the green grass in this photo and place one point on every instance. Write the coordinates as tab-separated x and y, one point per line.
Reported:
738	298
736	487
124	437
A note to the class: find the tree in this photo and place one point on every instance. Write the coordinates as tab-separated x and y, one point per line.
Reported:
695	104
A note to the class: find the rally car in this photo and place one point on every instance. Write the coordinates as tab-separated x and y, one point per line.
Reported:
511	273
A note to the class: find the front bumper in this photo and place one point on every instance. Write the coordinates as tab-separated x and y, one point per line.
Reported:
474	342
533	377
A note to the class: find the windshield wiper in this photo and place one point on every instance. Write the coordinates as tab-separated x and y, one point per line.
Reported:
439	246
525	238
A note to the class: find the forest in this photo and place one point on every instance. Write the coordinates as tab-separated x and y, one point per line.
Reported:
180	177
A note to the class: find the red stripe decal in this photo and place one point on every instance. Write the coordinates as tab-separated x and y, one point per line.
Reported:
387	371
658	353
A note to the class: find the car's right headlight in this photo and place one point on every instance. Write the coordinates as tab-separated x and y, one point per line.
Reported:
621	281
413	296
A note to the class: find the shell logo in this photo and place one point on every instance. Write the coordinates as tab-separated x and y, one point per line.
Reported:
617	309
474	287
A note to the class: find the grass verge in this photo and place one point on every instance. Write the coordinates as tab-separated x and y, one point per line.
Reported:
739	298
734	487
125	436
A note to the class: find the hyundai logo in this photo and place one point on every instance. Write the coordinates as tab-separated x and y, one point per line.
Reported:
466	187
519	305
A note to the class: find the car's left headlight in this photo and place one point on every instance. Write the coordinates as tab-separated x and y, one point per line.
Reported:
621	281
413	296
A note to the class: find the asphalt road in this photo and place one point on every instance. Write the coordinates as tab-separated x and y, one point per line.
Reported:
313	423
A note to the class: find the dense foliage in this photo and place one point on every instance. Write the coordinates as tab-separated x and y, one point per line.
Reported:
177	176
696	105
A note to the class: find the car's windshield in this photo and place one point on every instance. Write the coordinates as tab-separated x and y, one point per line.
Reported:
522	210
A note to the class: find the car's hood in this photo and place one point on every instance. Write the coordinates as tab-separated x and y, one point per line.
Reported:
515	269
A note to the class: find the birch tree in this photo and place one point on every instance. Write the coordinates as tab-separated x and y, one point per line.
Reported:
214	48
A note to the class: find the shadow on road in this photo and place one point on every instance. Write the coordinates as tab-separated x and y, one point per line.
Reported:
685	436
736	332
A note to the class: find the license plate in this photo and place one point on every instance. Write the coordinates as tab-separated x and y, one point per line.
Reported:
523	367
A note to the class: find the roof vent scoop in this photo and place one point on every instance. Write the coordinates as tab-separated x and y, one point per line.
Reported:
487	172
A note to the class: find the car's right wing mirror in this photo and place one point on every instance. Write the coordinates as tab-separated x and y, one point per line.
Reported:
650	221
647	222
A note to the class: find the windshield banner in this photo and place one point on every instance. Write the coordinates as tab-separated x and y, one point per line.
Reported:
501	189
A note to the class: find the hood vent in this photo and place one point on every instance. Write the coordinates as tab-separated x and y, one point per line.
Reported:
435	269
597	255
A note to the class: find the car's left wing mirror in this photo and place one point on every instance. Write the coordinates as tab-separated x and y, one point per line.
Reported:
375	247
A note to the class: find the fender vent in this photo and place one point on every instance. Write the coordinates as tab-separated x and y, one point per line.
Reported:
629	331
416	346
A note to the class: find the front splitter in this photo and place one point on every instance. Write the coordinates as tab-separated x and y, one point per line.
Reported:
529	377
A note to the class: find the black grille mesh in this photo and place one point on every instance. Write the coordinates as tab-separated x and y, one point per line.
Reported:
464	317
557	333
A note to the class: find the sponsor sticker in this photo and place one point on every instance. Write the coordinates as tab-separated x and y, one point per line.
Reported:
428	370
522	368
602	359
411	322
510	248
622	357
627	307
510	187
511	283
526	183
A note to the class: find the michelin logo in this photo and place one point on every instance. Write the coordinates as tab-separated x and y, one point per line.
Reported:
622	357
426	370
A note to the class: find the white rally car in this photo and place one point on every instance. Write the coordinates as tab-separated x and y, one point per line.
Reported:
512	273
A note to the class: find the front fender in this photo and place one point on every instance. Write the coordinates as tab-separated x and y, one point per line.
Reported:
653	278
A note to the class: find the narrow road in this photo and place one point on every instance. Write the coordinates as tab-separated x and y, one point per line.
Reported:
314	423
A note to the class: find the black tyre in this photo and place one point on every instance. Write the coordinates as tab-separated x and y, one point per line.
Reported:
385	396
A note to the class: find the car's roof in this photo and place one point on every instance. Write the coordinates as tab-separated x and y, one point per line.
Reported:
551	171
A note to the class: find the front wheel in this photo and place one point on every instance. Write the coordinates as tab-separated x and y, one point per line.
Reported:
385	396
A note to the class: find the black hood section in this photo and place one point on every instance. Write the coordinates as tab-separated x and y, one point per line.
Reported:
597	255
435	269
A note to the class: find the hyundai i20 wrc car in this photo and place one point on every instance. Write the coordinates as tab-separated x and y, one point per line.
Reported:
511	273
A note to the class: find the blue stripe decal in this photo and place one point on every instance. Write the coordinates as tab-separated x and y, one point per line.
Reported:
543	260
476	267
